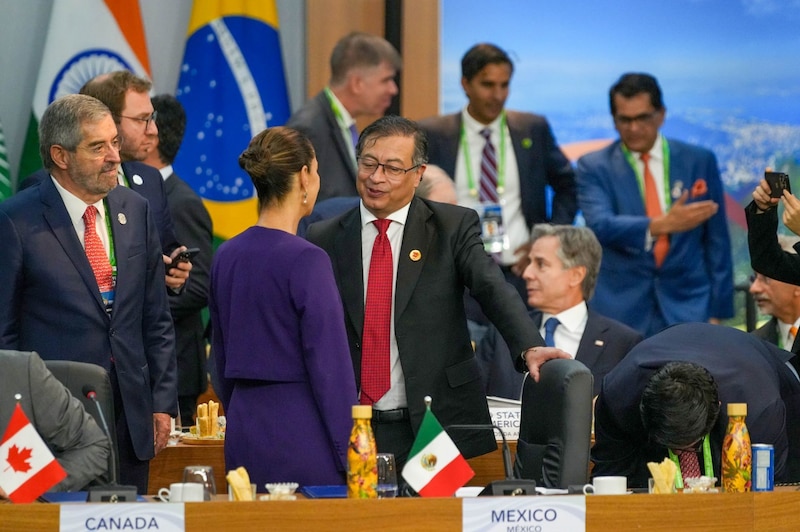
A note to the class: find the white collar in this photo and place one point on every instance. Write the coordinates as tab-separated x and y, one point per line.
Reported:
571	318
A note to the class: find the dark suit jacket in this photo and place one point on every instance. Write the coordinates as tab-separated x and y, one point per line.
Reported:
769	333
77	442
430	325
49	301
604	343
746	370
148	182
194	229
539	160
336	169
695	282
766	255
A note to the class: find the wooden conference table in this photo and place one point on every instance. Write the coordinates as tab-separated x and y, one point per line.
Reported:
167	467
747	511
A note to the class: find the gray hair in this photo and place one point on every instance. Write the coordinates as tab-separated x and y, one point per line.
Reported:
395	126
578	247
62	121
433	176
359	50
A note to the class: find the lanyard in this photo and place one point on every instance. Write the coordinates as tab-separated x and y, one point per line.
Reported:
640	178
708	467
335	108
112	256
501	174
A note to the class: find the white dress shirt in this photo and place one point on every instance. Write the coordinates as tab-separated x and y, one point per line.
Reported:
568	334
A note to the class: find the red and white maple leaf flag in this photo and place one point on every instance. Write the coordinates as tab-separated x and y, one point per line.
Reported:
27	467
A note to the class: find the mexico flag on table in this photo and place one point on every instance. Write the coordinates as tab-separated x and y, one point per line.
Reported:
27	467
435	467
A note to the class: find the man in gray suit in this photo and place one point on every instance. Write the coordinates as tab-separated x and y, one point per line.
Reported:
362	83
71	434
564	263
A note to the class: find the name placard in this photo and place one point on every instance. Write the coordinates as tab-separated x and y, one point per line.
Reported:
524	514
507	418
123	516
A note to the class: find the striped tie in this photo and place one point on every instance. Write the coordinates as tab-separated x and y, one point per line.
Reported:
488	192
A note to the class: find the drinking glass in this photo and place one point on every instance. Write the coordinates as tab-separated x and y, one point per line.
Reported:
203	474
387	476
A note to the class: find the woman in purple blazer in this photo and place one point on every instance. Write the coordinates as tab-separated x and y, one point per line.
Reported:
286	379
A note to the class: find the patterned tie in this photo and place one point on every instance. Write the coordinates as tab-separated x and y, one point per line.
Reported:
653	209
95	251
375	371
354	135
488	192
690	465
550	328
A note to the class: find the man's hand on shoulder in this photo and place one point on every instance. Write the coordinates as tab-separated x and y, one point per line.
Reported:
534	357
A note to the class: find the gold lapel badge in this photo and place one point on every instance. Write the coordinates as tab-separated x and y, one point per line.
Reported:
415	255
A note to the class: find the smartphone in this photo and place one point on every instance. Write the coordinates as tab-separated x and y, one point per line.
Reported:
184	256
778	182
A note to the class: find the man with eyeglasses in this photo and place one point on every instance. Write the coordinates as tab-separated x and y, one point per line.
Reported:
82	277
408	260
657	207
127	95
668	397
781	302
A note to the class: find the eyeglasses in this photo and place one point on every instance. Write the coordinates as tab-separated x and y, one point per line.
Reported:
642	119
758	277
368	165
151	118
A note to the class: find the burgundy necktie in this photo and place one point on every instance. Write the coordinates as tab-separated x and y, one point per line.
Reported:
488	192
690	465
95	252
653	209
375	371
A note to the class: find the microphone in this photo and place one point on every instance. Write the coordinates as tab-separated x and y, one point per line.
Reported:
90	393
510	485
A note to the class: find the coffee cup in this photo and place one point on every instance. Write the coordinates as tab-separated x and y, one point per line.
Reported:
607	486
182	492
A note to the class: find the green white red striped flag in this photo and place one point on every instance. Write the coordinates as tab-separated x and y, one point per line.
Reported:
85	38
435	466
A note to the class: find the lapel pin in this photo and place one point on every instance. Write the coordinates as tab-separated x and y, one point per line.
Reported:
122	218
137	179
415	255
599	343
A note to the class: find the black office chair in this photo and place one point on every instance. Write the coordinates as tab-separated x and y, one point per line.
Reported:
77	375
555	425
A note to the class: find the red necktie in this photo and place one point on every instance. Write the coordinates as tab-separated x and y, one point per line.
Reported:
375	371
690	465
488	192
653	209
95	252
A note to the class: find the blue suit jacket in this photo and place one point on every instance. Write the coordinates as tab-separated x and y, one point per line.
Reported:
745	369
695	282
49	301
145	180
539	160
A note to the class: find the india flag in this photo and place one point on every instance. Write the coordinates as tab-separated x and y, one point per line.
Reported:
435	467
27	467
85	38
232	86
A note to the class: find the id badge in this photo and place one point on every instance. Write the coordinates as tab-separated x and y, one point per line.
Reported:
492	230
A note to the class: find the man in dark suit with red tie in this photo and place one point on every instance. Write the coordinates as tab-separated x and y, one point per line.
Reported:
104	304
564	262
434	252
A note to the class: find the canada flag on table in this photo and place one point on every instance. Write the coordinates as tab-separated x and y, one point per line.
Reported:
27	467
435	467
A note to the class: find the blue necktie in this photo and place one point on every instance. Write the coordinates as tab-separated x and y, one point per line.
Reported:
354	134
549	328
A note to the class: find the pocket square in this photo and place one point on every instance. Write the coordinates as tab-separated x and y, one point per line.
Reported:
699	188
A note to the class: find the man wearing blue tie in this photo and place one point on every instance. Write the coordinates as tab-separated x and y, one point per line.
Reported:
560	278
